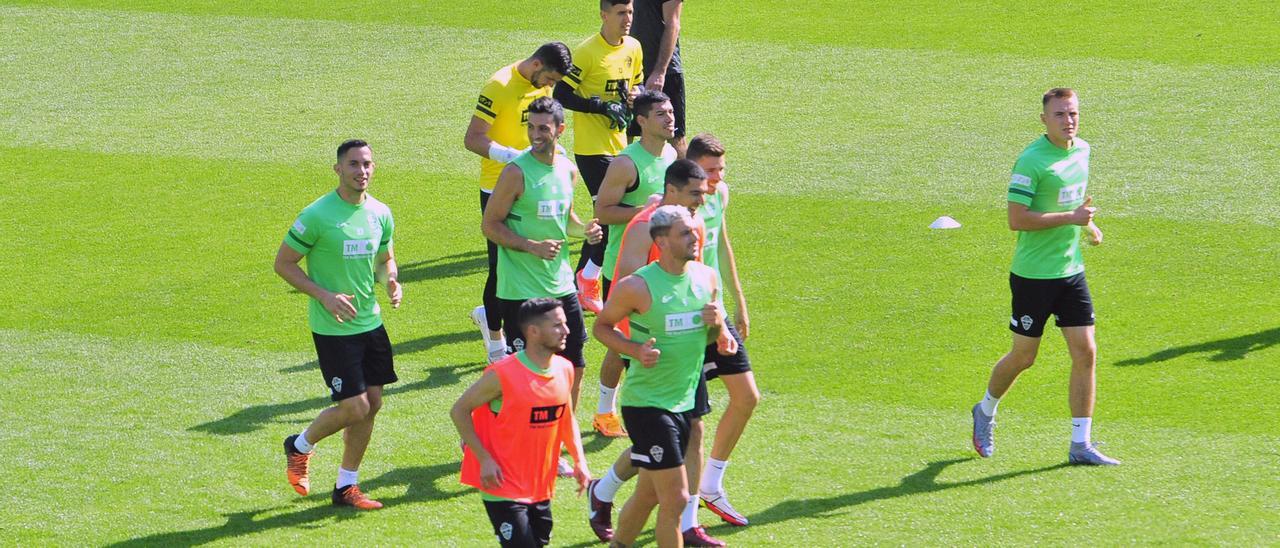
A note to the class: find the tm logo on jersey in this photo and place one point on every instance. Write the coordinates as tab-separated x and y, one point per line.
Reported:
552	209
543	415
1072	194
684	321
356	249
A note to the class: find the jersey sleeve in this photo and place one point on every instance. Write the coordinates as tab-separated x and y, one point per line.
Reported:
388	229
486	105
637	78
304	233
1022	185
581	58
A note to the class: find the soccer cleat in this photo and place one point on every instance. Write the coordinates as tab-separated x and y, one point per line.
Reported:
589	294
609	425
719	505
697	536
599	514
983	432
564	468
1086	453
297	466
352	496
481	319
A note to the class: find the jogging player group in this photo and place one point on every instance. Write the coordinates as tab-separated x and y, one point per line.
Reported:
656	267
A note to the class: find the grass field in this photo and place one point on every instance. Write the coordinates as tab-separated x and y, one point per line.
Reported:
156	151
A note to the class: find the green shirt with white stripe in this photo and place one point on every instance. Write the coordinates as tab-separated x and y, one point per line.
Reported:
1050	179
540	213
674	321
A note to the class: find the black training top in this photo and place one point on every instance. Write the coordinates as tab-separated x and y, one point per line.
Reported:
647	26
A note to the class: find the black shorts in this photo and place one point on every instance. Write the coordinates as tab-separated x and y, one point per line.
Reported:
659	437
573	316
673	86
352	363
592	168
520	525
716	365
1034	300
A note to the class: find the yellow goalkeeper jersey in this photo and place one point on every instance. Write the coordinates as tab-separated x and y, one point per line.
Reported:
504	103
600	69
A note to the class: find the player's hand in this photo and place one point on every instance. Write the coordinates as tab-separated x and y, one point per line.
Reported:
711	315
629	94
1095	234
726	345
649	355
340	306
593	231
545	249
490	474
742	322
1083	215
582	476
619	115
395	292
655	81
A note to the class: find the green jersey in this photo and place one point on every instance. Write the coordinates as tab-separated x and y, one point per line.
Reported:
674	320
1050	179
540	213
651	172
340	241
712	215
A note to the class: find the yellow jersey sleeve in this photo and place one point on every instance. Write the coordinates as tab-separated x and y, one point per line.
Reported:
504	103
605	71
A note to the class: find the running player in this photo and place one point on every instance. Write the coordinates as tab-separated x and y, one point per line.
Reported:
607	72
497	134
670	307
346	237
529	217
687	187
514	422
735	370
657	27
1049	207
632	178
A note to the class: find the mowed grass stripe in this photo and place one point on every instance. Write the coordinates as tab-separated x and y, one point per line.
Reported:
884	472
937	127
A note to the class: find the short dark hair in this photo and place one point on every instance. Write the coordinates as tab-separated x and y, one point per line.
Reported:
606	4
704	144
681	172
644	103
555	56
1057	93
350	144
547	105
533	309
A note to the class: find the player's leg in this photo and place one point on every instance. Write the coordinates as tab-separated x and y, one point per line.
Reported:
340	358
511	523
736	373
1031	303
1074	310
602	492
606	421
488	316
635	512
592	169
575	342
692	532
378	370
540	522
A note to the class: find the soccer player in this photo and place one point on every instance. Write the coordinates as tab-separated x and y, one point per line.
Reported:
657	27
514	422
632	178
497	134
529	217
1049	207
687	187
346	237
670	307
607	72
708	152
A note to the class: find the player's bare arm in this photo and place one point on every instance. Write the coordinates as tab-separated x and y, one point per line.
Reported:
509	188
386	272
631	295
609	208
635	250
667	48
286	267
485	390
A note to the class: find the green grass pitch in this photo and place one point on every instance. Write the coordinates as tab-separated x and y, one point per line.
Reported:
155	152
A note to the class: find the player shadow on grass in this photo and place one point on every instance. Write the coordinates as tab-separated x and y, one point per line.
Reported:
401	348
924	481
421	483
257	417
448	266
1225	350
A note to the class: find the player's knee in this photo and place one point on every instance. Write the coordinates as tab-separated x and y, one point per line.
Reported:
374	407
354	409
746	400
1084	355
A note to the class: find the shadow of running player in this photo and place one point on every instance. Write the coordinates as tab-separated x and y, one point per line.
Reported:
421	482
1224	350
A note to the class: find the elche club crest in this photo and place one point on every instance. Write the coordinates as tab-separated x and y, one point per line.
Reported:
336	383
1026	322
656	453
506	529
518	344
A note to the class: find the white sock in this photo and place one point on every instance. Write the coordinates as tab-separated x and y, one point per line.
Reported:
346	477
989	404
608	486
1081	428
591	270
689	518
713	477
607	400
301	444
496	346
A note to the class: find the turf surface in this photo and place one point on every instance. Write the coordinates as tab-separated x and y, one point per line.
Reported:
158	150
